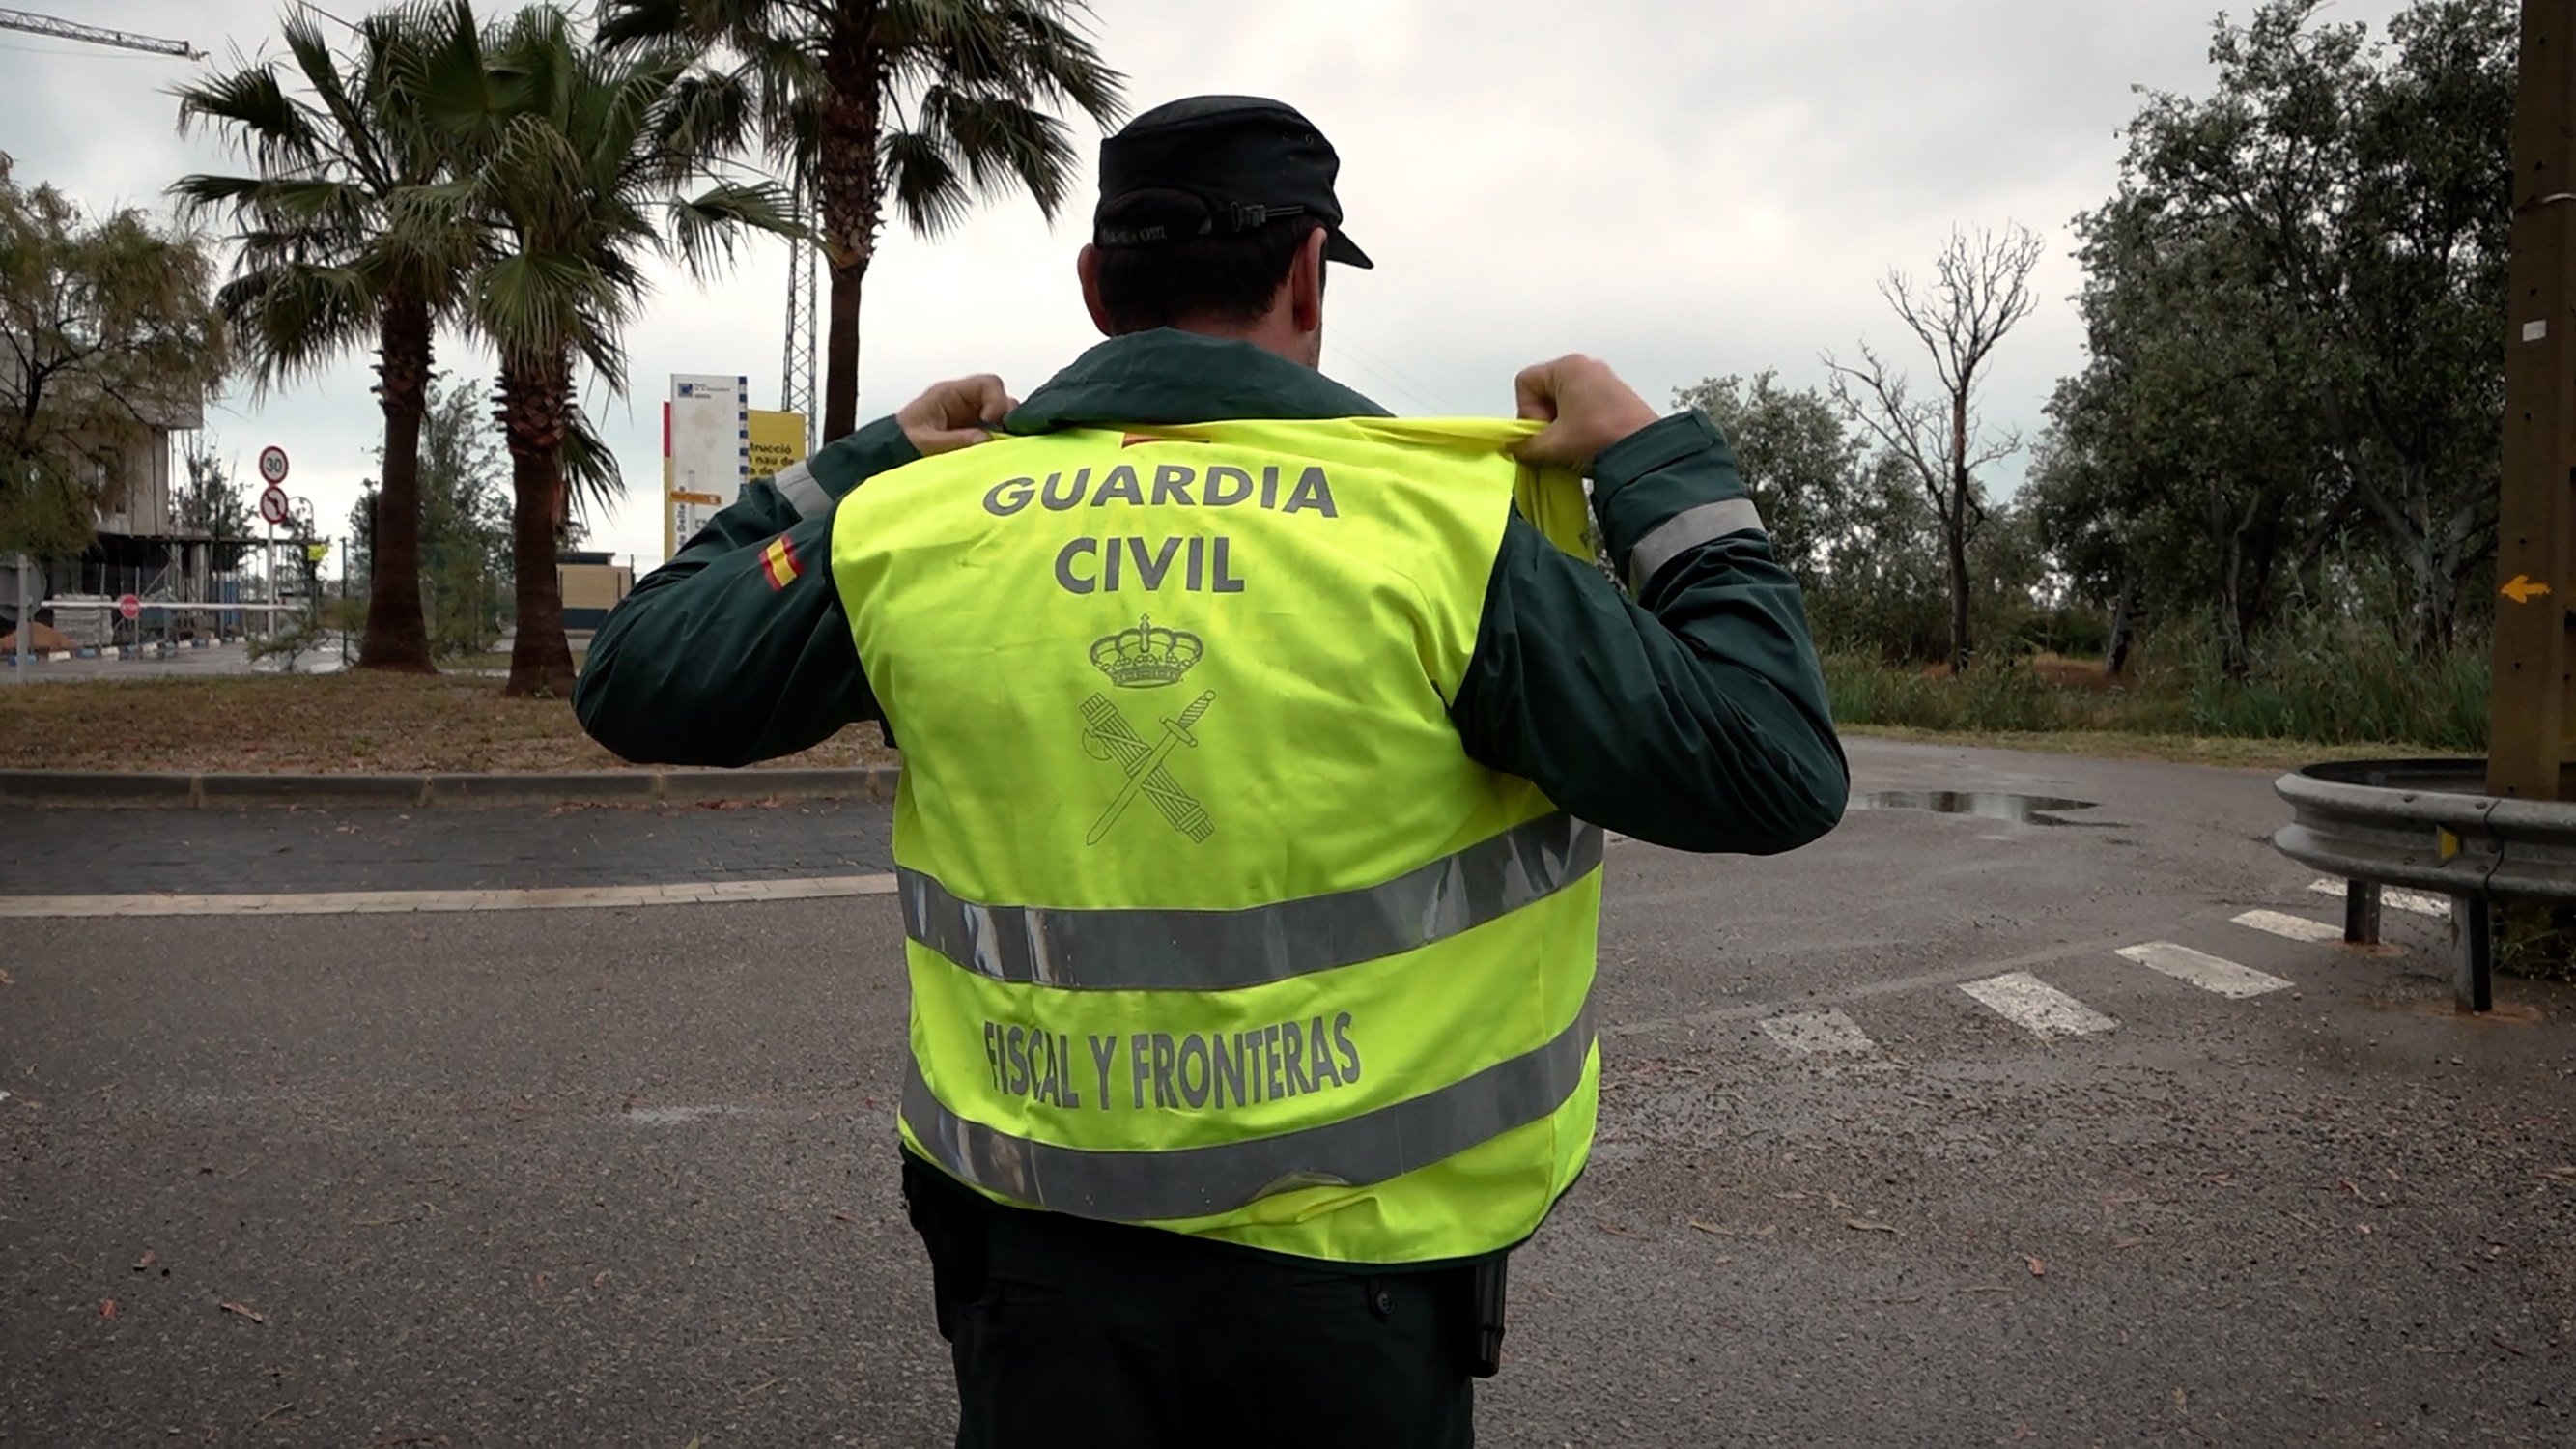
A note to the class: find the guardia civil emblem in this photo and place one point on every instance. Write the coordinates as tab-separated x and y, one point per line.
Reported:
1146	657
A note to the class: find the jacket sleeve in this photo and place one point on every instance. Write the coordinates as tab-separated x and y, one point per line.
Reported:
1693	715
738	649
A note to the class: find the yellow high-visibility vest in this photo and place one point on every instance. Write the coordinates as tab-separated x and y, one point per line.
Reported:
1211	923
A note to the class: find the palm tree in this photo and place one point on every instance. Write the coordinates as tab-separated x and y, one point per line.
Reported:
924	104
572	164
327	266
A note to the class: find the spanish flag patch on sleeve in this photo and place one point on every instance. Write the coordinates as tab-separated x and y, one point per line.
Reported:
778	562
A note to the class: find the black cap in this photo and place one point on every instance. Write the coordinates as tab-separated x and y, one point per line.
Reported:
1246	159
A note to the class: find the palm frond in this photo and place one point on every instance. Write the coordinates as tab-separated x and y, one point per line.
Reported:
1056	56
531	303
706	227
356	140
923	182
297	318
441	75
625	25
706	114
589	466
270	128
1006	142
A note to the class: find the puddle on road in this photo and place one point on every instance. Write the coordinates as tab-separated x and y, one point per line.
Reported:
1984	804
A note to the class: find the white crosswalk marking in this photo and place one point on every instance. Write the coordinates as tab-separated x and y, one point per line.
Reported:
1817	1033
2209	973
2422	903
2037	1007
2296	928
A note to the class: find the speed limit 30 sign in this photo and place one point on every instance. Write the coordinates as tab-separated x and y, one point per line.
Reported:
272	465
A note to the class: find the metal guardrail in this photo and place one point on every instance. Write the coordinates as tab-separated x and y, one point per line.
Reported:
2431	826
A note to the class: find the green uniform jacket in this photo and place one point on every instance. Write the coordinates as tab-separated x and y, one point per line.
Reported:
1692	717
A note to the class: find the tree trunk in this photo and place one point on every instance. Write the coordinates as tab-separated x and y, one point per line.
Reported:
2124	626
536	407
1954	530
841	347
1954	523
2235	653
849	202
397	637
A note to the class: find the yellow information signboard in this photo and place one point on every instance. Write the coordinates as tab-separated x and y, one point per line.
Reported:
777	439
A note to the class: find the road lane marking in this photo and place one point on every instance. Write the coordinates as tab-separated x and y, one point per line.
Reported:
375	903
1817	1033
2422	903
2209	973
2296	928
2037	1007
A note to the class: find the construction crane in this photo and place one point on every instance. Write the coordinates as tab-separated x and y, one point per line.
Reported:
35	24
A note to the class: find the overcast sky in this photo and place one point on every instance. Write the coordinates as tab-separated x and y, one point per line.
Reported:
1683	187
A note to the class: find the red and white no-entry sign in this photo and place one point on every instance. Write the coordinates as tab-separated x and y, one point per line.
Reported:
129	607
272	465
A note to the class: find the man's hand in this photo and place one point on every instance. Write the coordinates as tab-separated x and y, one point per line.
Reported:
956	414
1586	407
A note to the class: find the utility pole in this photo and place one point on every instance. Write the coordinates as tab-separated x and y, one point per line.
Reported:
2528	756
2532	703
34	24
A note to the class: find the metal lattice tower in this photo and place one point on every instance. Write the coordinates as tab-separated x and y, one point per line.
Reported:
47	25
796	390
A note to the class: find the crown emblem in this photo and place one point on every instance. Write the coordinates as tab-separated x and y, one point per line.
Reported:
1147	656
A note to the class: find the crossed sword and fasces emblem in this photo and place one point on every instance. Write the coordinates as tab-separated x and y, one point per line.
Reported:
1105	734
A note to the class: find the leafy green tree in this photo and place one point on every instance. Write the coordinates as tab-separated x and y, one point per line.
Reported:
919	106
465	536
329	263
1799	460
1843	518
2359	193
573	161
211	501
107	329
2189	460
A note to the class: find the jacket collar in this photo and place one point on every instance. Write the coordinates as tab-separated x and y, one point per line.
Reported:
1167	376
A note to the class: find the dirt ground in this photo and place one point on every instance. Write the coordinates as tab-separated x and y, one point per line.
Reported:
327	724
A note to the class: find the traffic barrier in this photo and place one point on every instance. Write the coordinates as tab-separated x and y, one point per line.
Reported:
2430	825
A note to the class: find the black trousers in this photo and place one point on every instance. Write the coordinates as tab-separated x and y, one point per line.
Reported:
1070	1334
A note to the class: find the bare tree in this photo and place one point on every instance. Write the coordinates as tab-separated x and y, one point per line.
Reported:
1980	292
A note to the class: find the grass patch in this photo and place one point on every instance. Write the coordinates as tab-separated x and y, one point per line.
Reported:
2273	756
494	660
355	723
2308	694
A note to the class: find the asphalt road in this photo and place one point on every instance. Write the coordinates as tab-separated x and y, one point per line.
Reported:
1897	1148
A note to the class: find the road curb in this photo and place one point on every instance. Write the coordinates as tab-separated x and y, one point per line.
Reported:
101	789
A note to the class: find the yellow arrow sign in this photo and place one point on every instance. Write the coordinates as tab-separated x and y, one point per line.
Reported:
2522	590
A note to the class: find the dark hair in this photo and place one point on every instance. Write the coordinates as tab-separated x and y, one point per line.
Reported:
1223	277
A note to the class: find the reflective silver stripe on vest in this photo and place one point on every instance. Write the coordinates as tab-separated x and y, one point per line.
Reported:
796	484
1188	1182
1149	950
1685	531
